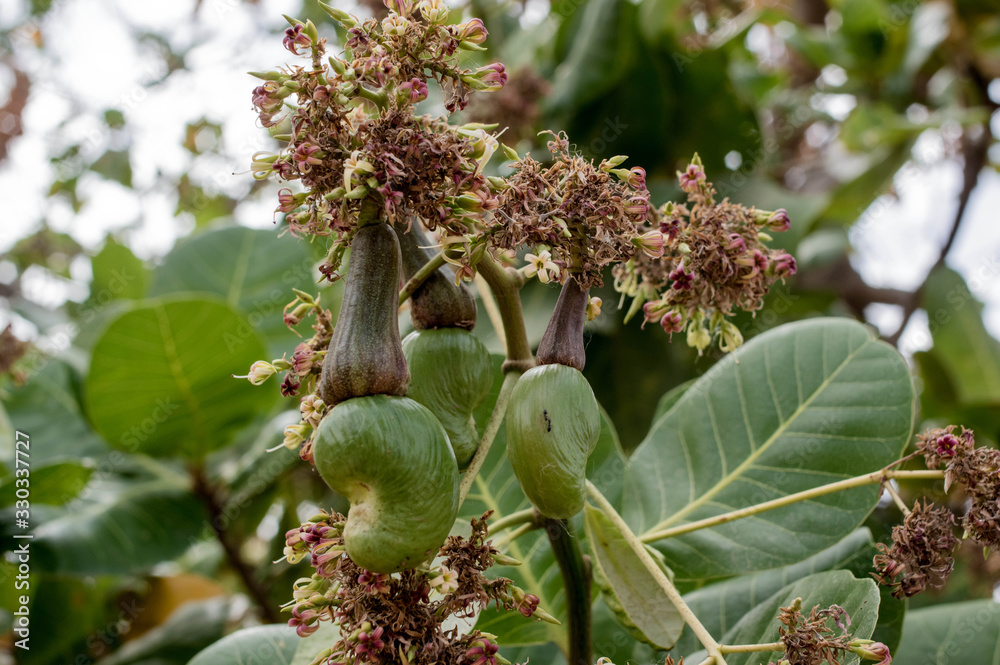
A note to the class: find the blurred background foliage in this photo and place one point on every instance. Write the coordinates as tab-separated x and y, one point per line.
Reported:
157	511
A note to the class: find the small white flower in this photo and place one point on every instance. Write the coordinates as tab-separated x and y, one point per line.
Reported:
594	308
541	265
354	164
446	582
394	24
260	372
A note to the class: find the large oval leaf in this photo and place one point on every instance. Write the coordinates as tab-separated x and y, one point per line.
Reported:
967	351
800	406
252	270
631	587
161	378
860	598
953	634
273	644
721	606
142	525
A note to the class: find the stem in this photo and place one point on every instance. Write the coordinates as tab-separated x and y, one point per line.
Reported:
380	99
576	578
204	490
492	311
420	277
898	499
526	516
850	483
517	533
505	285
661	579
489	434
750	648
708	661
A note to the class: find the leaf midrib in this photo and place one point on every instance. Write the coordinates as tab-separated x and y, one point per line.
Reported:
726	480
177	369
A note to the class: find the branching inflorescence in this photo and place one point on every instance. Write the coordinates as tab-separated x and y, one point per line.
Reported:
400	618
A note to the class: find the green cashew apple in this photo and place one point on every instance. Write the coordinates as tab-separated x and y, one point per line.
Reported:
390	457
553	423
450	373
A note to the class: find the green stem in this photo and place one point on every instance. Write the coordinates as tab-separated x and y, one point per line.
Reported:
489	434
576	578
850	483
750	648
898	499
380	99
526	516
420	277
506	284
661	579
515	534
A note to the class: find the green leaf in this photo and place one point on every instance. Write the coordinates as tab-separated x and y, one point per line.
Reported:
161	378
670	398
952	634
629	585
962	344
860	598
308	647
800	406
496	489
128	532
597	57
52	484
721	606
273	644
118	273
254	271
47	409
188	630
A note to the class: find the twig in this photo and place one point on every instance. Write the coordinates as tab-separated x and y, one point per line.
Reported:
506	285
576	576
887	486
859	481
661	579
515	534
489	434
203	490
525	516
751	648
420	277
492	310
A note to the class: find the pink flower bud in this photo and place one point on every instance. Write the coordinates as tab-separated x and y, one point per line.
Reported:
474	32
779	221
783	265
691	178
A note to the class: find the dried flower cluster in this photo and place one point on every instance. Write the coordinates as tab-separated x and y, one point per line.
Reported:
978	469
920	554
586	217
399	618
714	261
353	139
813	641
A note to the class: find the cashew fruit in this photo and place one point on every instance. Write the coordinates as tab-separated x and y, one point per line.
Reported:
366	355
390	457
439	302
450	373
553	423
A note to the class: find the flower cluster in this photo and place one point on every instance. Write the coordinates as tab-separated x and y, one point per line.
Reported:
584	217
399	617
978	469
920	554
714	261
813	641
354	141
302	371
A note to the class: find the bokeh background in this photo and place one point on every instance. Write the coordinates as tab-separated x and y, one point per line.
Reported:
126	133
